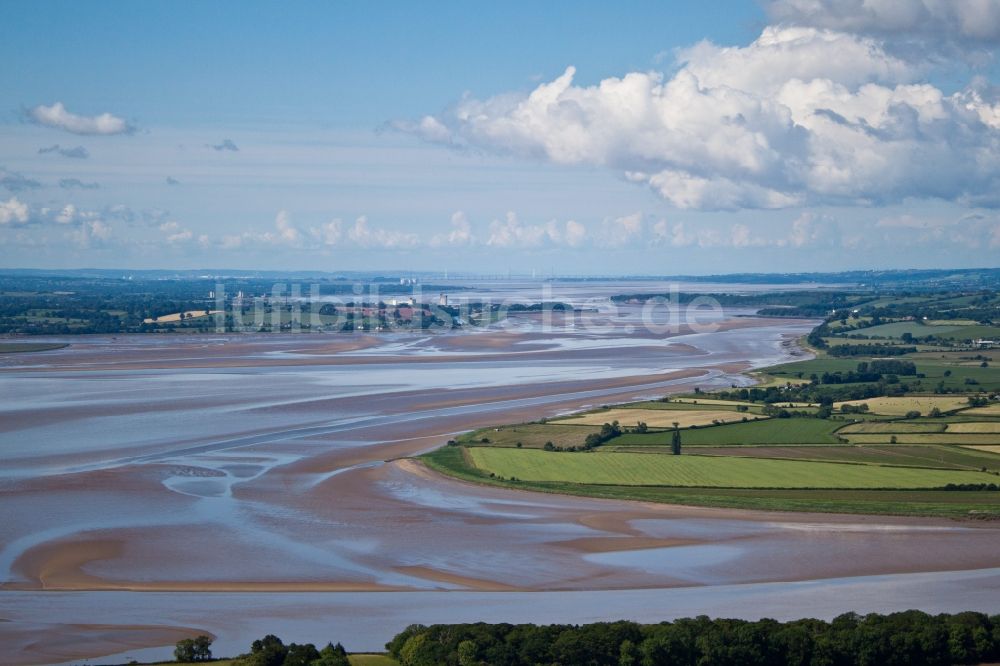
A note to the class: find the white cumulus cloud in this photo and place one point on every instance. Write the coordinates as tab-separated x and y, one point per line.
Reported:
13	212
59	117
510	232
328	233
459	235
365	235
175	234
287	233
801	116
284	234
622	231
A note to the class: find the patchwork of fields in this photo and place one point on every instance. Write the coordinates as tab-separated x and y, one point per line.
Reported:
853	463
923	443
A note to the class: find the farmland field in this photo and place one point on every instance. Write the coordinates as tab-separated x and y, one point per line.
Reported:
957	330
900	406
770	431
943	457
917	330
876	427
532	435
631	469
951	322
974	427
454	461
655	418
987	448
817	365
925	438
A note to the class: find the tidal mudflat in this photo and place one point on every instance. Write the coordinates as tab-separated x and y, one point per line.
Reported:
204	466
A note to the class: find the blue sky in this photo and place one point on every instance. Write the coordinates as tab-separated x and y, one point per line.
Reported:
340	136
337	64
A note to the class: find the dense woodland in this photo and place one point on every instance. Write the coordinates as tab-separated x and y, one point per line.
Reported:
912	638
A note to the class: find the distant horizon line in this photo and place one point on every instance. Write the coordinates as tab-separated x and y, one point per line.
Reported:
448	275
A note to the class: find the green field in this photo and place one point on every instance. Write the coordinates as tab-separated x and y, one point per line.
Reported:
917	330
638	469
816	365
943	330
771	431
531	435
452	460
952	370
955	372
941	457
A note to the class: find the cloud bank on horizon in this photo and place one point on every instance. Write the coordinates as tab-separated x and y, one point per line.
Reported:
810	113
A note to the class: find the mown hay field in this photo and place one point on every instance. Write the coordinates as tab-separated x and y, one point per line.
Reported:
875	427
655	418
900	406
925	438
975	427
988	448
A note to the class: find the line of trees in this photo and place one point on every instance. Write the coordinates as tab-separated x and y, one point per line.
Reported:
271	651
910	638
870	350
